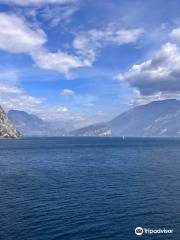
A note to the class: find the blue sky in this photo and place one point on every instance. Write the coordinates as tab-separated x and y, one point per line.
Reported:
87	61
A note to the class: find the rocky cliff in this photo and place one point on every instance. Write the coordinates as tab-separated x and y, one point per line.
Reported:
6	129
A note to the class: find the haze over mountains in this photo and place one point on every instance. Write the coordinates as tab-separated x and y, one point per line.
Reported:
31	125
158	118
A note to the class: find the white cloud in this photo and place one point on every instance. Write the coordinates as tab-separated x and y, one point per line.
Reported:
58	61
175	34
139	99
35	2
16	36
159	74
156	78
62	109
119	37
55	15
10	89
88	43
67	92
12	97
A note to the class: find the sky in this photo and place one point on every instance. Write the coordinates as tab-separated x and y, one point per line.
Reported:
86	61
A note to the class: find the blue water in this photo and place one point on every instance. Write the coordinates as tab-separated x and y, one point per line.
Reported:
88	188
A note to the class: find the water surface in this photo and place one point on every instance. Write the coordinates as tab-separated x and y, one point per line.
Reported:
88	188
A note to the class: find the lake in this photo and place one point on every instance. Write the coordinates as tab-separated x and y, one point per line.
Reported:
88	188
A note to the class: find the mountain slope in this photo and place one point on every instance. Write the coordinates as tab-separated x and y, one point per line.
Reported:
158	118
6	129
31	125
101	130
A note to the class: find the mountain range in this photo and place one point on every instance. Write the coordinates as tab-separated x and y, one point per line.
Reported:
31	125
158	118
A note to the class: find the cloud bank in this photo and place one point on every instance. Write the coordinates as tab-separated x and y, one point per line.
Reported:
158	77
18	36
